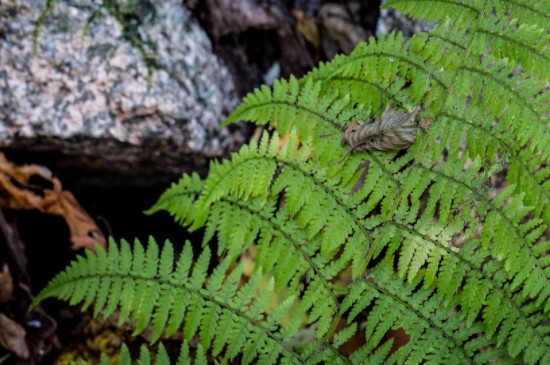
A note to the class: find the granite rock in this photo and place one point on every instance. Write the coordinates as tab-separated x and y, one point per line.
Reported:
86	96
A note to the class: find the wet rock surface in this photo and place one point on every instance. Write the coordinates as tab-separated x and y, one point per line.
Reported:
122	92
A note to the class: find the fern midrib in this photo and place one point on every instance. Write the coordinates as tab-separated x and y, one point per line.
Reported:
353	78
167	281
447	40
166	198
364	82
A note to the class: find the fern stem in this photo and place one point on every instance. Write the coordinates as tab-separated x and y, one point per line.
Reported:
301	107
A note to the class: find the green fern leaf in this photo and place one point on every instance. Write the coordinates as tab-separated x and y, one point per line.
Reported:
446	240
205	306
462	11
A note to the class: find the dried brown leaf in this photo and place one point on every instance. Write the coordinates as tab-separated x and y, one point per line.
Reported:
12	337
6	284
17	193
308	28
393	130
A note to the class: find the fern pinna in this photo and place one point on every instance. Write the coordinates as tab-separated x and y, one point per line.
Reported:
447	241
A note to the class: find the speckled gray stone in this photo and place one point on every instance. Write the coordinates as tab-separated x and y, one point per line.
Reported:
84	98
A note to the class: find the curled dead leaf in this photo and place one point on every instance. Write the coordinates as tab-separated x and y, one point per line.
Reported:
16	192
393	130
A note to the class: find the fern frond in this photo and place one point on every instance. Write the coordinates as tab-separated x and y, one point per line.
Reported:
464	276
526	44
530	12
506	222
379	70
290	102
287	102
463	12
436	335
183	195
146	294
